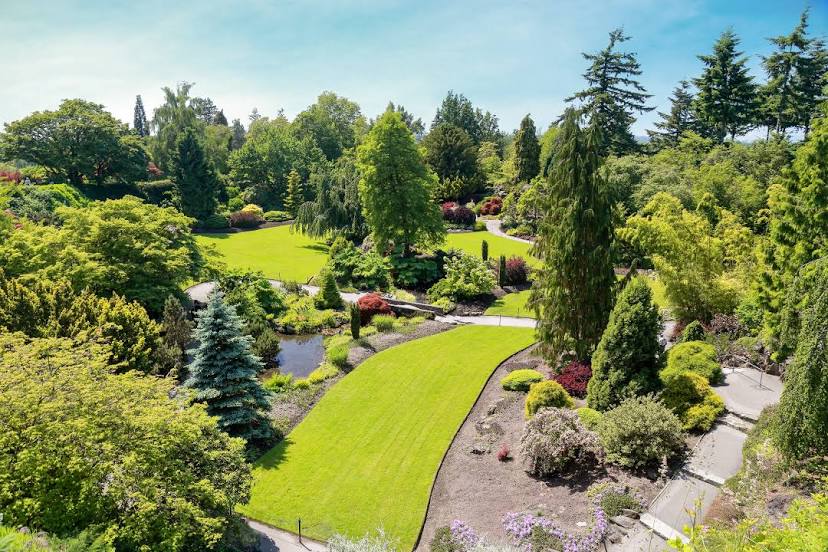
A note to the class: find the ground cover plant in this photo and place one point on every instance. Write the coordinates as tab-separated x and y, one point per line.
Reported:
275	252
384	413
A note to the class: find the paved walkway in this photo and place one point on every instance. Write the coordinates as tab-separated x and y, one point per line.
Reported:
494	226
276	540
200	292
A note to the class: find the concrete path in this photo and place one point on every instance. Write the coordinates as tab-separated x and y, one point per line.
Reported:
276	540
747	391
200	292
494	226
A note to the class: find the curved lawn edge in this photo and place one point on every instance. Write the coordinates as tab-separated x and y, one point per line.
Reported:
368	455
454	438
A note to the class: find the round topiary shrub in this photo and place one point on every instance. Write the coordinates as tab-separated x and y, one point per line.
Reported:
371	304
521	380
640	432
555	441
574	378
547	394
589	417
694	331
698	357
689	395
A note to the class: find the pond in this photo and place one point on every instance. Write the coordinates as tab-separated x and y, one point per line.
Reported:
299	354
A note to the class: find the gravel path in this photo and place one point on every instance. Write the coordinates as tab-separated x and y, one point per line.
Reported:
494	227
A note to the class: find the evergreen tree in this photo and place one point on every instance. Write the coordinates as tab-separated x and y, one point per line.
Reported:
795	72
627	359
573	293
328	296
205	109
451	153
223	374
677	121
727	97
356	320
219	118
139	120
294	193
238	135
803	408
501	271
416	126
196	185
798	232
456	109
396	188
527	151
484	250
614	93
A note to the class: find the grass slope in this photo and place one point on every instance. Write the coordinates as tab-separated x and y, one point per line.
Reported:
366	455
276	252
470	243
513	304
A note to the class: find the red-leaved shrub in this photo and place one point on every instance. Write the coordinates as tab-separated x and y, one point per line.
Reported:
516	271
491	206
574	378
457	214
11	176
504	453
371	304
245	219
448	209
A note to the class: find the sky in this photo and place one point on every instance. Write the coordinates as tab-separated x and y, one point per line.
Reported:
511	57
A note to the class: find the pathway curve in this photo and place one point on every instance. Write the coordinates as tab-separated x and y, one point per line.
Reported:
277	540
494	227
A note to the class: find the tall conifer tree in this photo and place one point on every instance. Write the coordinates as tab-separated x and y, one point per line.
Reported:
727	98
139	120
614	93
196	185
239	135
573	293
679	120
527	151
295	193
223	374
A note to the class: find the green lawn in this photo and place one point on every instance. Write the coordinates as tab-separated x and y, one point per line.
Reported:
513	304
365	457
275	252
470	243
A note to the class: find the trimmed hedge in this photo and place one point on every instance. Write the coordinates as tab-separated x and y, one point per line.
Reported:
521	380
546	394
698	357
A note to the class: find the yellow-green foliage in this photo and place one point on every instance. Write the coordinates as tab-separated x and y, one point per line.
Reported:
689	395
521	380
325	371
304	317
383	322
698	357
547	394
279	382
589	417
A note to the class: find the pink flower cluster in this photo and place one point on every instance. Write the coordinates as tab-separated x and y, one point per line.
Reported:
519	527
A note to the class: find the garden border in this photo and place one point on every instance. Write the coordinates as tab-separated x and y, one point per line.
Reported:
454	438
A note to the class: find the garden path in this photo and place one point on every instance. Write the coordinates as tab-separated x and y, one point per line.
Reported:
277	540
494	227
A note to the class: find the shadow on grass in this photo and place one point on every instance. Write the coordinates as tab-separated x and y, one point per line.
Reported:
316	247
274	456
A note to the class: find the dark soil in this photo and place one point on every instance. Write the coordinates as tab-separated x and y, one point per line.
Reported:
474	486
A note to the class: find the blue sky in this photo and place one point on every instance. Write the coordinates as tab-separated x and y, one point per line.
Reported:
511	57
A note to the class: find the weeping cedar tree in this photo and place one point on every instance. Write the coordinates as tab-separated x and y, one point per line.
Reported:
573	294
627	359
527	151
196	185
803	408
223	374
614	94
675	123
726	102
396	188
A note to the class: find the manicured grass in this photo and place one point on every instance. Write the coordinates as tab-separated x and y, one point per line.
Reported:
470	243
365	457
276	252
513	304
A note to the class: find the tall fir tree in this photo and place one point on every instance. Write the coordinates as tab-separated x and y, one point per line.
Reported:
196	185
219	118
527	151
223	374
675	123
573	293
139	119
239	135
798	230
294	193
726	102
614	93
803	408
796	75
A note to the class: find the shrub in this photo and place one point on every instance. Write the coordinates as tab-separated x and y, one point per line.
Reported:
517	271
589	417
215	221
447	209
546	394
479	226
444	541
254	209
356	320
302	316
338	355
689	395
384	322
457	214
521	230
444	303
277	216
369	543
245	219
697	357
370	305
360	269
640	432
466	277
726	325
328	296
574	378
501	271
627	358
279	382
694	331
555	440
491	206
521	380
484	250
301	384
702	416
414	272
614	499
503	453
325	371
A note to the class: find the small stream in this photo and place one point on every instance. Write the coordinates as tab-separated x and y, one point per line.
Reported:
298	355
